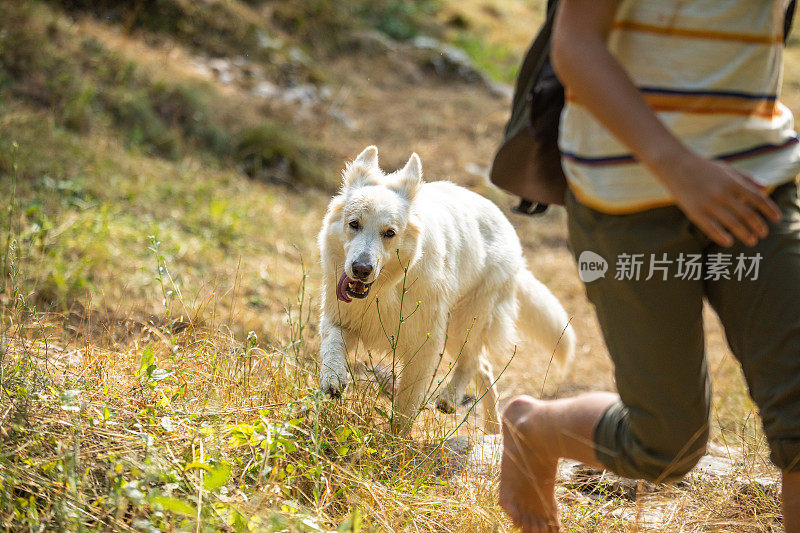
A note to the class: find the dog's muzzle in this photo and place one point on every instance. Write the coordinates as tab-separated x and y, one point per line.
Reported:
347	289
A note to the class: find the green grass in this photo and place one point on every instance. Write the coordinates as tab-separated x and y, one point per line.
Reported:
88	88
114	419
158	338
327	25
216	28
500	62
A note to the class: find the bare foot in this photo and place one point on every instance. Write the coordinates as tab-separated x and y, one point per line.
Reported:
528	467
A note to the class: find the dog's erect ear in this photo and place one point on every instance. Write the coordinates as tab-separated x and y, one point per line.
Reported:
359	171
409	178
369	157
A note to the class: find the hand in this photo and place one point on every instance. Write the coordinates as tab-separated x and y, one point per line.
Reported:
719	199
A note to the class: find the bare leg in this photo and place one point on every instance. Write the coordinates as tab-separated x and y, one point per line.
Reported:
791	502
535	435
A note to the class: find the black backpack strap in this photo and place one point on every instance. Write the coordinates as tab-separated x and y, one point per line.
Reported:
788	19
524	142
538	54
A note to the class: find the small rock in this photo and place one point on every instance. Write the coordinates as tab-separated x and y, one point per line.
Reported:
266	89
500	90
477	170
714	466
304	94
298	56
721	451
222	69
372	41
591	481
651	517
424	41
759	487
451	62
346	121
268	43
471	455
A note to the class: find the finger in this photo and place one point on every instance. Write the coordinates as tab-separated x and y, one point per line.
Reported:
747	214
755	196
714	231
731	222
768	207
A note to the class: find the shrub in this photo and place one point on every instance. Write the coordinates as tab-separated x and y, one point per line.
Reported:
272	152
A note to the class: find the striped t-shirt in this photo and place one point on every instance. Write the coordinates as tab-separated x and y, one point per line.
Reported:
712	72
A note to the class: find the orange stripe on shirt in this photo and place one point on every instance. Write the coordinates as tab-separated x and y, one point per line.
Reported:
708	105
699	34
713	105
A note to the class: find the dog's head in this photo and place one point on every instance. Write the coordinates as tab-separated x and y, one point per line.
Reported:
372	222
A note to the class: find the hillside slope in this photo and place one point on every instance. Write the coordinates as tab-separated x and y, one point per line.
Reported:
165	166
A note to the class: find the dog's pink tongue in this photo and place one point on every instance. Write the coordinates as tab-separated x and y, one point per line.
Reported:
340	289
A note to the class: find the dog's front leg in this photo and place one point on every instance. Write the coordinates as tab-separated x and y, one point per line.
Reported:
333	359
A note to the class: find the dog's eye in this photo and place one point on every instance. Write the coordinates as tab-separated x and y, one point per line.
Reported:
355	225
389	233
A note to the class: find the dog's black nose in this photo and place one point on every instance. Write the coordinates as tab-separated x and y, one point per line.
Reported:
361	270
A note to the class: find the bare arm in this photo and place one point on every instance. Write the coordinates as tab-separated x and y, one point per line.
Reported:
717	198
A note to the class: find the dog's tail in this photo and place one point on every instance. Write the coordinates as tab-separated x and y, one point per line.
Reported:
543	320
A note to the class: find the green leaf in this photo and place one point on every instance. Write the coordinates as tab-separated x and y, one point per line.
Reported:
148	360
197	466
342	433
217	477
352	524
175	505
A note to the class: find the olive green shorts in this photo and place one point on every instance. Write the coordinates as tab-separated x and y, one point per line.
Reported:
654	330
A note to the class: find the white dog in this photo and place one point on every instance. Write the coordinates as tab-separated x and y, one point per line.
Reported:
416	269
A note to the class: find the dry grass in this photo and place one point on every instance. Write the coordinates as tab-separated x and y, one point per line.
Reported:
121	424
167	383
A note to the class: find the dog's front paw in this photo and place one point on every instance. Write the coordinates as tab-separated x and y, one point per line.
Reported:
446	404
333	381
447	401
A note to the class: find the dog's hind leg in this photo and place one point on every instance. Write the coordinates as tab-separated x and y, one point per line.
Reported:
472	363
413	381
488	394
466	365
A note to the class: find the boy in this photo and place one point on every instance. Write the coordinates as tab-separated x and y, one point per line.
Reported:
675	145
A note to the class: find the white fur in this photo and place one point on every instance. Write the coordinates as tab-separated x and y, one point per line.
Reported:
467	288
